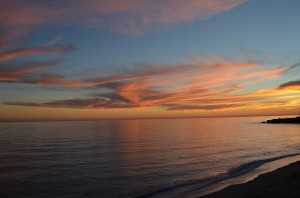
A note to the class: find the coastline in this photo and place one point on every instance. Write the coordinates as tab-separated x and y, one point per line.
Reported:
283	182
236	184
293	120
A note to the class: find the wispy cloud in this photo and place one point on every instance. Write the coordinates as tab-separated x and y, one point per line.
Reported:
196	85
34	51
94	103
22	72
13	69
123	16
204	107
293	66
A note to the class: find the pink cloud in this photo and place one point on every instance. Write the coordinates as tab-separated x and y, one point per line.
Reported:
123	16
42	50
14	70
141	16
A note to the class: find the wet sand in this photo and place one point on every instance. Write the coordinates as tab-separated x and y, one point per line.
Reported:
281	183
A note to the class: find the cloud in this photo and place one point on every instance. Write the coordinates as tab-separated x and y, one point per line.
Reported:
290	85
196	85
21	72
193	81
123	16
200	74
293	66
14	70
141	71
17	18
142	15
111	97
94	103
204	107
101	103
42	50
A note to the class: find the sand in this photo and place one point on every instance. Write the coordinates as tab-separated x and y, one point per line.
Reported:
283	182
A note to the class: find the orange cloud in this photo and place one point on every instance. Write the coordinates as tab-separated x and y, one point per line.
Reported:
291	85
192	86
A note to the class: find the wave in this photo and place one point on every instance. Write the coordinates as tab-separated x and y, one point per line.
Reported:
177	190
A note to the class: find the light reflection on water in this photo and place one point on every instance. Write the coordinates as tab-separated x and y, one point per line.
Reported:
131	157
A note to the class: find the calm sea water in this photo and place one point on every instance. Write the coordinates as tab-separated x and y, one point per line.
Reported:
135	158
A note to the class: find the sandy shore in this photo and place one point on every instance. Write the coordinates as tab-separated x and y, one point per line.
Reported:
283	182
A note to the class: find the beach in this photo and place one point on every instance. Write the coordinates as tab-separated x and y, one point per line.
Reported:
283	182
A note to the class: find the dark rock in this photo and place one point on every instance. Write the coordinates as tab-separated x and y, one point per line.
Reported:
295	120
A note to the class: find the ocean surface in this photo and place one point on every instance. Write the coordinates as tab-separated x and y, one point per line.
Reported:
135	158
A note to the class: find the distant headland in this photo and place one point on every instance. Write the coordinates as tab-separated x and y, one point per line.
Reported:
295	120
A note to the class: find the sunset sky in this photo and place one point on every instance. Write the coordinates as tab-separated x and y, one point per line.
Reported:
107	59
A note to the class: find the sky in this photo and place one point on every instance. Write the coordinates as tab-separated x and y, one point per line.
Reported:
125	59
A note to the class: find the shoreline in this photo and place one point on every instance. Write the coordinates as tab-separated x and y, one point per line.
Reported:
244	179
282	182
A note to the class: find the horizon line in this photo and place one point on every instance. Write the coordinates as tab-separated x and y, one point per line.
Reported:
149	118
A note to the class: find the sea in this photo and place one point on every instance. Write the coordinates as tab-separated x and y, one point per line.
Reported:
136	158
